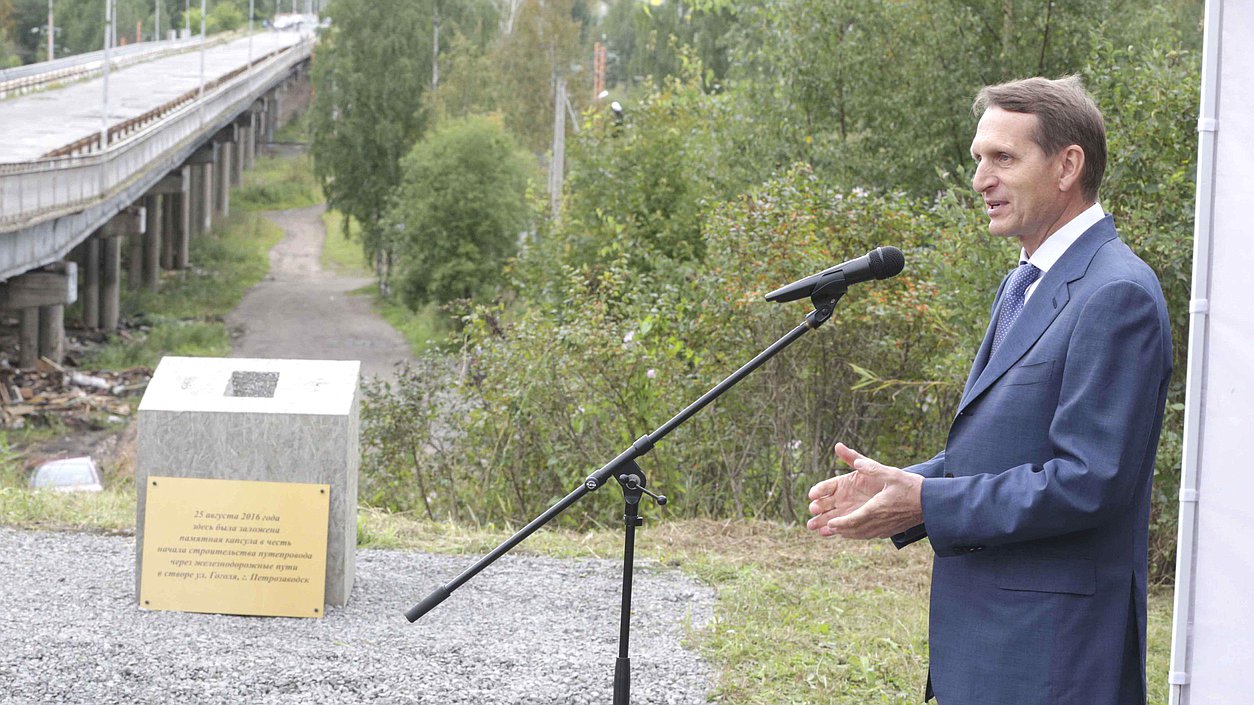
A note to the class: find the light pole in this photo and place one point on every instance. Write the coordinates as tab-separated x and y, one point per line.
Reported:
156	21
200	95
108	40
51	50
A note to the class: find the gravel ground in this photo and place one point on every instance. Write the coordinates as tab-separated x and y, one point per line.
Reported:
526	630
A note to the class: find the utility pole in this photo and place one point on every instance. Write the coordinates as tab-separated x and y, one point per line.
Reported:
200	94
156	21
558	164
435	46
598	70
51	30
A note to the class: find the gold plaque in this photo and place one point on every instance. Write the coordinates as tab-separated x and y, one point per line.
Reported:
235	547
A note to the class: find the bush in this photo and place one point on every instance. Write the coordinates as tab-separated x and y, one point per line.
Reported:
559	390
459	211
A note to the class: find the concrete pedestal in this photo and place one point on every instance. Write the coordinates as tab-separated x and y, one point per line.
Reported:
268	420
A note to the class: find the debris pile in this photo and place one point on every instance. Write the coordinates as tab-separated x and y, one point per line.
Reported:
74	397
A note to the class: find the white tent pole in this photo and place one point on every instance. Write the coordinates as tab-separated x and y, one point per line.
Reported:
1199	310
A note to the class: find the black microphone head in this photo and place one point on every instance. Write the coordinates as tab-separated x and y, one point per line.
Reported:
886	262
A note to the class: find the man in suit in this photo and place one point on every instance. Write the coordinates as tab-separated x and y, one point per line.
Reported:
1037	509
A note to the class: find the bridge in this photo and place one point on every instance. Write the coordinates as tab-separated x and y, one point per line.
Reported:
142	149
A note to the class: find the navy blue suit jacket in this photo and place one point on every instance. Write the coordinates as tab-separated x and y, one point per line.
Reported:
1038	507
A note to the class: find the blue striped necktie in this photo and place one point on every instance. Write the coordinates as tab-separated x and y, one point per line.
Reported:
1012	306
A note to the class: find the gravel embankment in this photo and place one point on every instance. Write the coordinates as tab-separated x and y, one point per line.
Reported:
527	630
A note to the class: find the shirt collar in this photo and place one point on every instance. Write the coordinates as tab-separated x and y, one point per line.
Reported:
1055	245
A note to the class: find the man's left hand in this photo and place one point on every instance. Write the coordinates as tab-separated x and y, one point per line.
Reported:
895	508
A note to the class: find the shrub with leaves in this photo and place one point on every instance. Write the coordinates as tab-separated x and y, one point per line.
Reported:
459	211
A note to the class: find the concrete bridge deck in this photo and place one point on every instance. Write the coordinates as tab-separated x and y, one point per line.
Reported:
35	124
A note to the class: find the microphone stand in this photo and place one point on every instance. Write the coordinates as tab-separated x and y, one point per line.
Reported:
631	478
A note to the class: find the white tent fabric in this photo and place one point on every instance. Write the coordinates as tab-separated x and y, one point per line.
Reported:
1213	637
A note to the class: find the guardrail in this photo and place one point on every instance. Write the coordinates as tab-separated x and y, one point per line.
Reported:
125	129
32	77
35	191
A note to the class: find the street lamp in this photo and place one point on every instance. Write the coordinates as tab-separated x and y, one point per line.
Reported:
110	16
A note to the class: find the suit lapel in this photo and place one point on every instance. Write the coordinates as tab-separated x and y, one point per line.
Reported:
1050	297
981	356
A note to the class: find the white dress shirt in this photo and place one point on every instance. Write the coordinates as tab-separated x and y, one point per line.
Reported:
1055	245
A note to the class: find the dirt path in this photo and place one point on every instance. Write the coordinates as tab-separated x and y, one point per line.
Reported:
300	311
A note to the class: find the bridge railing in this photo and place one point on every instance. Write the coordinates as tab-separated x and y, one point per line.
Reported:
34	191
22	79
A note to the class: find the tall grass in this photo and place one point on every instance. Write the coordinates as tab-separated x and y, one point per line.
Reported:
424	329
278	183
186	316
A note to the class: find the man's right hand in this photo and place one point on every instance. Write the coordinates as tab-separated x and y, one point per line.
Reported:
839	496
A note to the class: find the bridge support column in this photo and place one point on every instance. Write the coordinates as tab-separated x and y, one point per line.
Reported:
91	281
201	164
207	173
28	338
250	139
40	297
149	273
224	171
267	118
129	223
110	283
195	193
52	332
237	156
181	252
171	230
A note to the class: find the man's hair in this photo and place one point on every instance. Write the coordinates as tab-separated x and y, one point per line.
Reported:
1065	115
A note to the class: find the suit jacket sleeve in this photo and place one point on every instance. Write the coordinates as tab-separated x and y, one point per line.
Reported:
935	467
1100	433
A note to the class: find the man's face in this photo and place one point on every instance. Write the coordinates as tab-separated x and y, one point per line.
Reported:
1019	182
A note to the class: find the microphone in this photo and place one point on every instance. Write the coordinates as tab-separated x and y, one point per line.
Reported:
880	263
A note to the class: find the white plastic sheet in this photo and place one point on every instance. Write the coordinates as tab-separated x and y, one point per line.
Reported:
1219	643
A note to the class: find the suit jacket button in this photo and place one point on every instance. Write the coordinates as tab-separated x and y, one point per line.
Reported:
976	549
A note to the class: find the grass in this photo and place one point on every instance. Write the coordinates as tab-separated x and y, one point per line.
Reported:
423	329
185	317
798	619
278	183
341	250
111	511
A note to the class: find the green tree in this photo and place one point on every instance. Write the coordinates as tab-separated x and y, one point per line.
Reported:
8	28
878	94
225	17
643	40
543	46
459	212
370	73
